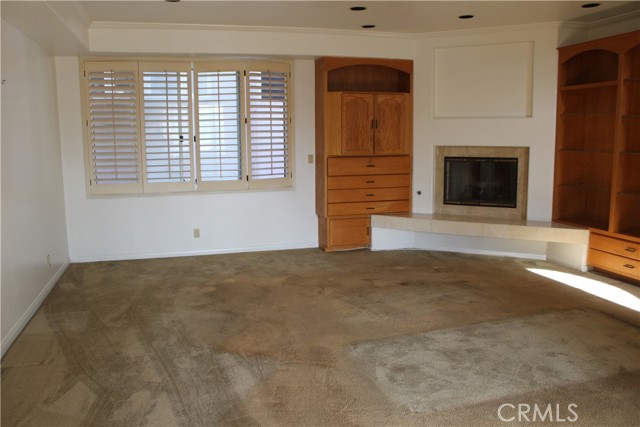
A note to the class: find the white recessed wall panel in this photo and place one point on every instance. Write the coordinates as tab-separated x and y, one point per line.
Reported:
483	81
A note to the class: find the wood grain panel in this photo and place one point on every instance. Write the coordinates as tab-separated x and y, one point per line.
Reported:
368	181
615	264
349	233
623	248
357	123
387	165
367	208
367	194
390	124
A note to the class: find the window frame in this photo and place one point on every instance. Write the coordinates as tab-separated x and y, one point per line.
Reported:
248	180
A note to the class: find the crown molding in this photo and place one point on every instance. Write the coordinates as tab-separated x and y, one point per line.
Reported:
613	19
487	30
104	25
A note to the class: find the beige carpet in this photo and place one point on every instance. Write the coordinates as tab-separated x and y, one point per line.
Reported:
306	338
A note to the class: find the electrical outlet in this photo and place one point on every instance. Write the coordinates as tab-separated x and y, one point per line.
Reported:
196	233
49	260
310	159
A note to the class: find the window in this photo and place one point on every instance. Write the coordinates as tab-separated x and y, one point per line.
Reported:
181	126
112	128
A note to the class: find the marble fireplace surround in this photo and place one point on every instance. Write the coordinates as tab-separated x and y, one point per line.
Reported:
521	153
482	230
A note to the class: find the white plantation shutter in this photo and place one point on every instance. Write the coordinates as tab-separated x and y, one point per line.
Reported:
219	126
111	111
166	124
268	125
179	126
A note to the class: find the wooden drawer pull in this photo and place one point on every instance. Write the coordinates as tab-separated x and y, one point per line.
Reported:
630	249
630	266
371	166
370	195
371	209
371	182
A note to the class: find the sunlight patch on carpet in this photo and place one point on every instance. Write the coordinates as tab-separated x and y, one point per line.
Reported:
594	287
450	368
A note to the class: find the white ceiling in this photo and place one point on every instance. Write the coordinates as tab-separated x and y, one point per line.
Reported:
403	17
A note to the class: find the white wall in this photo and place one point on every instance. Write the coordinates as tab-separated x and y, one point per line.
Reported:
133	227
536	131
154	226
33	216
162	225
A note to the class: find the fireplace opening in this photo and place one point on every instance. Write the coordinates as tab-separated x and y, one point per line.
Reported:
481	181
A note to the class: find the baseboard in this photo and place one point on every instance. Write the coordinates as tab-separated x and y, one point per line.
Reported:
151	255
31	310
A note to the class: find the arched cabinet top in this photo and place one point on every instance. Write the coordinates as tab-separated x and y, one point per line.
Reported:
366	74
596	61
591	66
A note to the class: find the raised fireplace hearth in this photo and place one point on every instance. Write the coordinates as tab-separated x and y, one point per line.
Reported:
482	181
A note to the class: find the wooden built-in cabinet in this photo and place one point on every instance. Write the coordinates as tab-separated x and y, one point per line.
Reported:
373	123
363	146
597	165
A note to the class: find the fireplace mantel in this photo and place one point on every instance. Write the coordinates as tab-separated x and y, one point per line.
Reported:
520	153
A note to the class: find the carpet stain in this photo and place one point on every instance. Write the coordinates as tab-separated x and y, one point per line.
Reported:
446	369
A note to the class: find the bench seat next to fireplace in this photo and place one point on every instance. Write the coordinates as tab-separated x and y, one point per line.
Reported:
507	237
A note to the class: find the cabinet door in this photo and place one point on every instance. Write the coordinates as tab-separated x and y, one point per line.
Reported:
348	233
357	119
390	124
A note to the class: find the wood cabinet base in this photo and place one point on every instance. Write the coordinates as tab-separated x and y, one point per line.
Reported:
611	254
344	233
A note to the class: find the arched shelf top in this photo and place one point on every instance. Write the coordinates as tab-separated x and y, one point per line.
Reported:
633	58
368	78
591	66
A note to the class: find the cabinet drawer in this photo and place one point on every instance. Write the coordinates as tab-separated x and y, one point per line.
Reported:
367	194
614	263
369	165
368	181
364	208
612	245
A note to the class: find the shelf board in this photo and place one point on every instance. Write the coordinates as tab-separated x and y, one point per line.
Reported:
586	86
629	193
586	113
633	232
582	150
589	187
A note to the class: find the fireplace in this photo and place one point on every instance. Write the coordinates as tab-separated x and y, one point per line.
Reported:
482	181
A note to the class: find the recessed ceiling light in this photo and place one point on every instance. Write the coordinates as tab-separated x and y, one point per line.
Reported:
358	8
368	26
465	16
590	5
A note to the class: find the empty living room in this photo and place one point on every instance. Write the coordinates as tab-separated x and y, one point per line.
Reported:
320	213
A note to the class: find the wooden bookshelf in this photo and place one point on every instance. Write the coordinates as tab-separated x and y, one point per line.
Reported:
597	165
